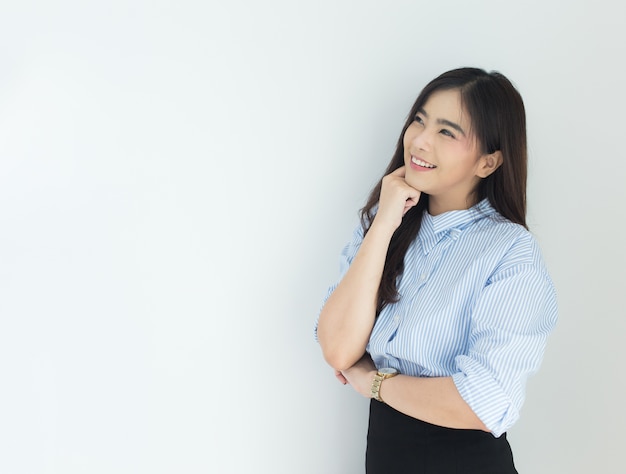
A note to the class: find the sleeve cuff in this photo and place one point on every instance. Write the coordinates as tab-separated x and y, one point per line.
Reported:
485	396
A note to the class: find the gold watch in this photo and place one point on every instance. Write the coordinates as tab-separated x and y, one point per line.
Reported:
382	374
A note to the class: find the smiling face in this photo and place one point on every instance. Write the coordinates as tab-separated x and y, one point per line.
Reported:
442	157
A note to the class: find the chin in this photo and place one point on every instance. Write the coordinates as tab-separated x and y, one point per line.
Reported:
415	183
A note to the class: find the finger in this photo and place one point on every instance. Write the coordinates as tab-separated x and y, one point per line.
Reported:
411	201
400	172
340	377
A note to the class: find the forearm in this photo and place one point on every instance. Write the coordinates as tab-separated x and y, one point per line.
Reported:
432	399
347	318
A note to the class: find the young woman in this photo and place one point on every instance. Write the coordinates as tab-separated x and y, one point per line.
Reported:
444	303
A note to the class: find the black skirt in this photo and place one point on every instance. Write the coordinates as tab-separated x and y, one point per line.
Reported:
400	444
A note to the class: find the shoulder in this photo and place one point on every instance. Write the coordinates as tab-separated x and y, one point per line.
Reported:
505	236
518	259
506	248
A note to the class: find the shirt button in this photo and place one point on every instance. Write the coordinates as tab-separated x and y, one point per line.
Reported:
396	318
423	277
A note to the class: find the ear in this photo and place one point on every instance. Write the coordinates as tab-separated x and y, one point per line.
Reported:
489	163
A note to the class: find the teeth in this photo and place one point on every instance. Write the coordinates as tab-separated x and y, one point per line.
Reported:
419	162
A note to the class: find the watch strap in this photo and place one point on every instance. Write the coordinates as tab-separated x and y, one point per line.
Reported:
378	381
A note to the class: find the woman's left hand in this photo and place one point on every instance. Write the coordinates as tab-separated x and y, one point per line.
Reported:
360	376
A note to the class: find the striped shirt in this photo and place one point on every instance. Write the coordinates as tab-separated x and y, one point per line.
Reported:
476	303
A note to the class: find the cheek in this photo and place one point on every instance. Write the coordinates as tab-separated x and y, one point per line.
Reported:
467	147
406	139
409	136
461	152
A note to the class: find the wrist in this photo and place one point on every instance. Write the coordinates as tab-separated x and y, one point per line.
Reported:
370	378
380	376
382	229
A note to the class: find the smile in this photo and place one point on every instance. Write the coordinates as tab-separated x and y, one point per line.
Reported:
422	163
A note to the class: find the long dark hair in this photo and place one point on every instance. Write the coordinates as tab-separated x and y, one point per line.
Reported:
498	122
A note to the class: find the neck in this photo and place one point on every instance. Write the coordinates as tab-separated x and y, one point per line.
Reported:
438	206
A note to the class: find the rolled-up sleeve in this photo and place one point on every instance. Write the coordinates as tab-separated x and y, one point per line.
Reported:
345	260
510	323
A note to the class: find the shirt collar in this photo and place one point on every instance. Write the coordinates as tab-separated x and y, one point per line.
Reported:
434	228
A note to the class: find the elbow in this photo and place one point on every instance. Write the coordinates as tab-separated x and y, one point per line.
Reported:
340	359
341	349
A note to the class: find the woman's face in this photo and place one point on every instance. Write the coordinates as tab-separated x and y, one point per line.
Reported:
442	157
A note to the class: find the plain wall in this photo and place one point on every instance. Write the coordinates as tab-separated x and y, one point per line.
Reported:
177	179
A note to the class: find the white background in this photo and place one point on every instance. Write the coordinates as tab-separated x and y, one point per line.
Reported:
177	179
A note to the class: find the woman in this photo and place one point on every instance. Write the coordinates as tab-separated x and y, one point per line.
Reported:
444	303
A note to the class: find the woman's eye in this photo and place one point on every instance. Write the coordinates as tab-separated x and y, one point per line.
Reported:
419	120
447	133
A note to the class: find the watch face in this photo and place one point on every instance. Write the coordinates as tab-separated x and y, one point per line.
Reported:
387	371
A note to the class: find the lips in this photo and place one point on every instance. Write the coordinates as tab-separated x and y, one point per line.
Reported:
419	162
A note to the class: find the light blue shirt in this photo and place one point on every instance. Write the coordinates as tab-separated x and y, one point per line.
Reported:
476	303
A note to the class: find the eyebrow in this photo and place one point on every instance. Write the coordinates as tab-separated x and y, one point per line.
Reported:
453	125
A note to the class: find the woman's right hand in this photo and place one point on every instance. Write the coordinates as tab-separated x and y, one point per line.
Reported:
396	198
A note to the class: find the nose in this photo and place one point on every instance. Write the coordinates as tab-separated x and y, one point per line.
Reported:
422	139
